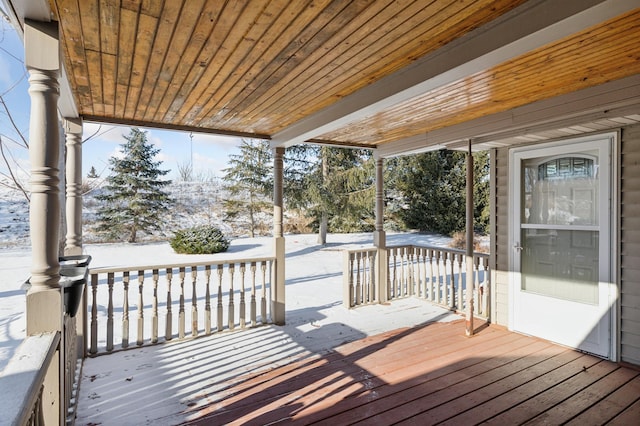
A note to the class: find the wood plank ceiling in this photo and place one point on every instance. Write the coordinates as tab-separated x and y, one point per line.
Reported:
595	56
256	67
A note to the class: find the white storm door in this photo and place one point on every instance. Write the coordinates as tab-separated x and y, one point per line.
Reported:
561	244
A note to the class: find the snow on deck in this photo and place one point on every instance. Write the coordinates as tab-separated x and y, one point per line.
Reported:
160	384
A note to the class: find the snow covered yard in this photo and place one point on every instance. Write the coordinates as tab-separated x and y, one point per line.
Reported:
313	274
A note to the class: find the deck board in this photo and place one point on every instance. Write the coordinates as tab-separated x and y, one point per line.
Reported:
433	374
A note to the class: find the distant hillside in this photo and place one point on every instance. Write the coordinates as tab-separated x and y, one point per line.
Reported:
14	216
196	203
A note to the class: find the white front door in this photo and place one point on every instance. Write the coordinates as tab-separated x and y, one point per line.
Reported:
561	244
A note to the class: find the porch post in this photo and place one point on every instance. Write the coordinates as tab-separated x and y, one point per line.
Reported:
379	235
277	286
469	253
73	133
44	299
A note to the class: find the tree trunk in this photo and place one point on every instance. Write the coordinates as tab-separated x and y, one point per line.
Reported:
132	235
324	219
322	231
252	219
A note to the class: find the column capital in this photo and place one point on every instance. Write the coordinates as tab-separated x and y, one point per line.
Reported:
42	48
377	155
72	125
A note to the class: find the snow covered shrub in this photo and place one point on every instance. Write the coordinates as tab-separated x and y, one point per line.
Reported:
204	239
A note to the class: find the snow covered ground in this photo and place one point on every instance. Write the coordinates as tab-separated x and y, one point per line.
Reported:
313	273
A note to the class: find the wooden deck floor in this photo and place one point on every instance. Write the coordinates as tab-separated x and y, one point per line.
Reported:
433	375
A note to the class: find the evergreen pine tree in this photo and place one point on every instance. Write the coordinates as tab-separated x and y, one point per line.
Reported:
336	186
433	190
92	173
134	200
249	183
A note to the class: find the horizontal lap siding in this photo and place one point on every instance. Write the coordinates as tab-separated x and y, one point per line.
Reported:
630	245
501	179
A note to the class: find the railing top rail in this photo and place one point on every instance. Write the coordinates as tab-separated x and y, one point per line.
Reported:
397	246
360	250
24	375
174	265
445	249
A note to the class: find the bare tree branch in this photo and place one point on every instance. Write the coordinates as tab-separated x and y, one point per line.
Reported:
17	184
13	123
93	135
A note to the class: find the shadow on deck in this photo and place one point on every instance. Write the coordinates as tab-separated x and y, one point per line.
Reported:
434	375
430	374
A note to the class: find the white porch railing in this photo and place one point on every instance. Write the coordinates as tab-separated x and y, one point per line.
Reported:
434	274
163	302
23	380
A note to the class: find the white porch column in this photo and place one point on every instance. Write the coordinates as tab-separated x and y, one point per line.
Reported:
469	253
44	299
73	133
278	284
379	235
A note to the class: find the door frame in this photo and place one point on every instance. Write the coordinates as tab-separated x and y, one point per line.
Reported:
614	292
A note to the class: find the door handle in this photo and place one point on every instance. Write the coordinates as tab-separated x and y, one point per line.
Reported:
518	247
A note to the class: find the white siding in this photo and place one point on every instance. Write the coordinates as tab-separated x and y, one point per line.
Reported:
630	245
500	235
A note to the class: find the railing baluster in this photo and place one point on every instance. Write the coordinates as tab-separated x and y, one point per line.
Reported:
486	287
394	275
366	276
460	302
94	314
140	339
154	308
445	278
426	262
347	263
476	285
181	314
232	316
125	310
194	302
419	276
110	313
169	324
452	285
219	323
253	295
207	300
372	277
436	277
404	281
411	271
358	290
399	270
243	307
431	256
263	300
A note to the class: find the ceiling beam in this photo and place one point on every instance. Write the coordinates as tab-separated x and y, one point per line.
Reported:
168	126
532	25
